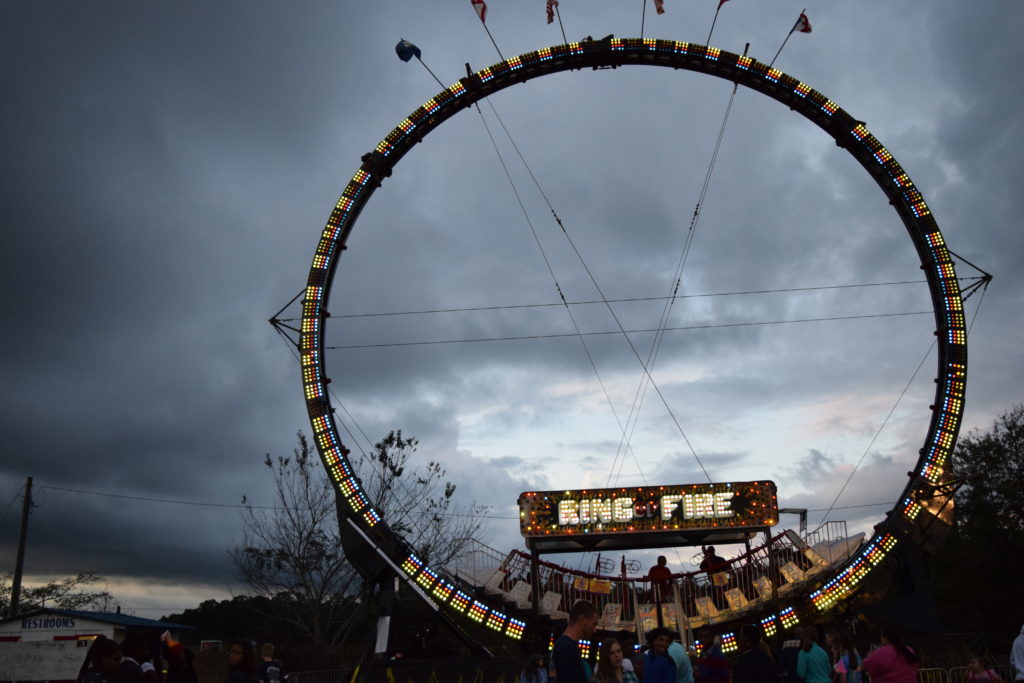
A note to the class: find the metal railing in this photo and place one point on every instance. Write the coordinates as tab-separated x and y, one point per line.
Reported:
324	676
956	674
959	674
476	563
751	580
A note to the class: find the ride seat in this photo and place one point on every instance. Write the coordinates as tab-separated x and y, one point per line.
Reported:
520	594
736	599
493	585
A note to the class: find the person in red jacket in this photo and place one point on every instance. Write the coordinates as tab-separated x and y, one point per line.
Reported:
660	577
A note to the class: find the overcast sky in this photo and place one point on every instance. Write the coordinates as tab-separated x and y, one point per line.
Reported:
167	169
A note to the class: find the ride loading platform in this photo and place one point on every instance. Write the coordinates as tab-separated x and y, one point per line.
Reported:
672	516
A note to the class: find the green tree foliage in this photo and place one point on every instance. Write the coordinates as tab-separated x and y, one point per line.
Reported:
990	466
976	571
73	592
228	620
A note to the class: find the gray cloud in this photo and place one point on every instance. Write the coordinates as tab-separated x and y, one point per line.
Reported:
168	171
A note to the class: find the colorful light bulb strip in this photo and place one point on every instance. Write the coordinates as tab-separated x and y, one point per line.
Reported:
477	612
769	626
515	628
443	591
729	642
789	618
496	621
411	565
911	509
585	648
426	578
847	580
460	601
371	517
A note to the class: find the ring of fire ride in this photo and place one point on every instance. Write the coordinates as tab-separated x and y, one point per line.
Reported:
923	512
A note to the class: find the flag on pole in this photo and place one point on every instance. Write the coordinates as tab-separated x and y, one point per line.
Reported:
481	9
406	50
802	24
721	2
659	6
552	4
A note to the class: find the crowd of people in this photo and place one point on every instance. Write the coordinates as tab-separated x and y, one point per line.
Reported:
136	660
807	657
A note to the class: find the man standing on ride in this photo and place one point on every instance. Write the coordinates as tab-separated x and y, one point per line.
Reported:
565	655
660	577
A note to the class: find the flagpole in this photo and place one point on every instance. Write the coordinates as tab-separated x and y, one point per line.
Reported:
559	15
429	71
713	23
795	24
484	24
643	15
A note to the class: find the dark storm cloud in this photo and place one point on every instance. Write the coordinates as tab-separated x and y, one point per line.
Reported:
168	169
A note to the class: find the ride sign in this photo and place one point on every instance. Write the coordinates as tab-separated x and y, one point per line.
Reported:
681	507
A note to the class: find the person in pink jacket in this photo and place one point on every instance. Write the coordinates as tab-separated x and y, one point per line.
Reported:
894	662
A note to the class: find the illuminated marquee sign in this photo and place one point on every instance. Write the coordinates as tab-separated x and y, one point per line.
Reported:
683	507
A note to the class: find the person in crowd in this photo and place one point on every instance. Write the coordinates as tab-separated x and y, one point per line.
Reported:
180	667
631	653
101	662
845	658
534	670
1017	656
813	664
893	662
133	654
565	655
681	658
978	671
658	665
270	670
753	665
712	666
241	663
789	653
660	577
612	665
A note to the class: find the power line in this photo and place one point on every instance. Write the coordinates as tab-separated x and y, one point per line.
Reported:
622	331
145	499
881	427
646	380
547	263
10	502
558	304
167	501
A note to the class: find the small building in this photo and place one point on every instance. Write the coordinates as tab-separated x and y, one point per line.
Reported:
51	644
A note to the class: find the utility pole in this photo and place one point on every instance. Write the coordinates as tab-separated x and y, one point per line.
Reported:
26	507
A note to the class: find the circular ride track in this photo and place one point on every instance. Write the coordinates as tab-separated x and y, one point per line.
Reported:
923	511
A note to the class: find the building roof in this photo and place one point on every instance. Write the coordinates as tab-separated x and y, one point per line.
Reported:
106	617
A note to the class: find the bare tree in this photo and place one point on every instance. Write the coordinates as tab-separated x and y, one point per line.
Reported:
292	552
72	592
419	505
